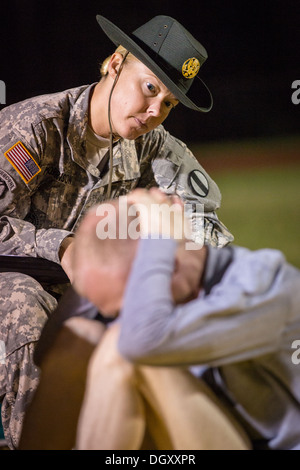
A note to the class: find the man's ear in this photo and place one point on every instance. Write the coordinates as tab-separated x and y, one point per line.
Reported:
114	64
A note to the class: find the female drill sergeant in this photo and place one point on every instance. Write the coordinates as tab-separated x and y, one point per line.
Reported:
62	153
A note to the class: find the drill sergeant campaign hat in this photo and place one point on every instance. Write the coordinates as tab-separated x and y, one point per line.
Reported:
169	51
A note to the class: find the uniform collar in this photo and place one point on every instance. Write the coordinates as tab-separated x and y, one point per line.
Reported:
125	160
77	128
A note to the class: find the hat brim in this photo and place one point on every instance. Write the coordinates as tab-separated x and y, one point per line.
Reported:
118	37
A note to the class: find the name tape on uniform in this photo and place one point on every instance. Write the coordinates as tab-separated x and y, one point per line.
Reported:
7	179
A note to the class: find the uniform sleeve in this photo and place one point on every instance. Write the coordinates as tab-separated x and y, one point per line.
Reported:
244	316
20	156
176	171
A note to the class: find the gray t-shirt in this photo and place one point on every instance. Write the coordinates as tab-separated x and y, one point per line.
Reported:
237	335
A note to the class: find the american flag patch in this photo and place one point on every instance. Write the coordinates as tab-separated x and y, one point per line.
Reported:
22	162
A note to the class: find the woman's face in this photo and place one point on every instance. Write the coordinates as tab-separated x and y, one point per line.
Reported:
140	101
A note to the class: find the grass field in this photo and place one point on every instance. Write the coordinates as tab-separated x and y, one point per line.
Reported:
260	186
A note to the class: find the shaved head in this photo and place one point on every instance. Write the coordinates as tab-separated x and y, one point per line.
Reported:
102	258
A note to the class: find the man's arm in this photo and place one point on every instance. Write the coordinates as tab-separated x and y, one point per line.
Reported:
243	316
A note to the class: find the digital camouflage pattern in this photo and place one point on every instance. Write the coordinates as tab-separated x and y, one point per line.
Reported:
25	306
36	216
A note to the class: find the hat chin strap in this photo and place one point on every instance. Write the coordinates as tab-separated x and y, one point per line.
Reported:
111	134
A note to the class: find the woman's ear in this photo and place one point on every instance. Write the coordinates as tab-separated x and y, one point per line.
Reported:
114	64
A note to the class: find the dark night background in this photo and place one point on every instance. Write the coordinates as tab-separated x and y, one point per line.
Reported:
253	48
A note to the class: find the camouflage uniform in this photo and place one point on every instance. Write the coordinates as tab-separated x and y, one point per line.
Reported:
44	195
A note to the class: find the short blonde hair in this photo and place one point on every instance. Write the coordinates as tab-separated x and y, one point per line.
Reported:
121	50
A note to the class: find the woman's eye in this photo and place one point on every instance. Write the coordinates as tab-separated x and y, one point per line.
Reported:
150	87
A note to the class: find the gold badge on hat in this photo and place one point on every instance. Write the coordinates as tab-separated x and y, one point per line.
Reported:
190	67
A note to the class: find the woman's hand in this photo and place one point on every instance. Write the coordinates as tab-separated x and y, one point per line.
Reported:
159	213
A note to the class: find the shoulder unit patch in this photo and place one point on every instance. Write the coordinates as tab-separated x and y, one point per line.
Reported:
198	183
